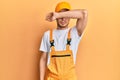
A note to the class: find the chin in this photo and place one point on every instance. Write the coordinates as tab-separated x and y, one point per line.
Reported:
63	26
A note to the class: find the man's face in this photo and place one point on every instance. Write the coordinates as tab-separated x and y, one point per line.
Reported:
63	22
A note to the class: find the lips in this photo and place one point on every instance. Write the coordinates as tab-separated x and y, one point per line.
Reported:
63	22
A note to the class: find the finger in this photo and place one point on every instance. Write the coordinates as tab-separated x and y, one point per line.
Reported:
47	17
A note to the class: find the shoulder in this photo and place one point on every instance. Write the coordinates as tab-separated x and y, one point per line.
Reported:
74	30
47	32
46	35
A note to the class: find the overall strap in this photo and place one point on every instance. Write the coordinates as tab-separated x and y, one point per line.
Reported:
68	41
52	41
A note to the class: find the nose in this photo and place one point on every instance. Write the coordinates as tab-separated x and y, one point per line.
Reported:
63	18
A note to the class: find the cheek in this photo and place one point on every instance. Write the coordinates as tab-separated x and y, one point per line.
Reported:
58	20
67	20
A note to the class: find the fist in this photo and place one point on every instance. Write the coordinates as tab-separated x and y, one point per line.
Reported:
51	16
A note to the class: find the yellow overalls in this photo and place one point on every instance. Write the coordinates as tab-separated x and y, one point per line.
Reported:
61	65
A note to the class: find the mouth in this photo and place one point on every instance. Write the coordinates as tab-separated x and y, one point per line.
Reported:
63	22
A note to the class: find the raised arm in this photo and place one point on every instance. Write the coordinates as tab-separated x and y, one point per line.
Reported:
82	22
80	14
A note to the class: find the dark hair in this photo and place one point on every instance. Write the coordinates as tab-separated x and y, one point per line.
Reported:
65	9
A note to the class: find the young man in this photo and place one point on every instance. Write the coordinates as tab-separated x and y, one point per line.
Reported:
59	46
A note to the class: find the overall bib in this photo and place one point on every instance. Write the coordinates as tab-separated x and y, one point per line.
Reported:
61	65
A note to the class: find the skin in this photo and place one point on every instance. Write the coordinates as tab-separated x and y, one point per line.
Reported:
79	14
62	23
63	18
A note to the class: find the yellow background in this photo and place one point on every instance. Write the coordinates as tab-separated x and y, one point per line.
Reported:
22	24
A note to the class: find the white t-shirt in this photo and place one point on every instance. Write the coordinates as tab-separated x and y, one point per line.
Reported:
60	41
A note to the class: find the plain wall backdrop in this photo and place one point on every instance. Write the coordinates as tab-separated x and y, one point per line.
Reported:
22	25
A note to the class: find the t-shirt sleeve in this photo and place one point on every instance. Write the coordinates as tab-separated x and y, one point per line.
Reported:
45	45
75	32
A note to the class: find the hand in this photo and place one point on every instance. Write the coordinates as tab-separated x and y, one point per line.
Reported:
51	16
